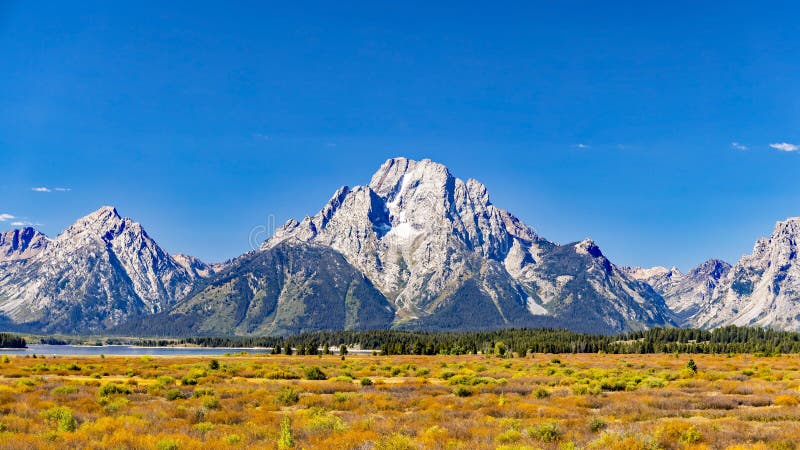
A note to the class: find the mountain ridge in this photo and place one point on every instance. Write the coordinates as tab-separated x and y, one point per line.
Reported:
97	273
415	248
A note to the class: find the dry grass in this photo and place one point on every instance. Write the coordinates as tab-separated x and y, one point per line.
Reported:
440	402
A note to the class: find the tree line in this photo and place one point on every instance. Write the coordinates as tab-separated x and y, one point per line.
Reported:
723	340
8	340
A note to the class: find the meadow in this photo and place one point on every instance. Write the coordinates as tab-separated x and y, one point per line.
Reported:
547	401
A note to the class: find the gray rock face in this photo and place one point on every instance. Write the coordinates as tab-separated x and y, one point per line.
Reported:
763	288
685	294
292	288
422	236
196	267
100	271
20	245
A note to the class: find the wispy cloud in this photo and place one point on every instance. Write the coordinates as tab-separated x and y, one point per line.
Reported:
583	146
785	147
262	136
22	224
5	216
47	189
738	146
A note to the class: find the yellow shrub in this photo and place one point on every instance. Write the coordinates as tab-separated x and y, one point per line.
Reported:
785	400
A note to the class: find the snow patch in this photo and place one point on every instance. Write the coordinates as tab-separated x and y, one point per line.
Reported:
535	308
404	231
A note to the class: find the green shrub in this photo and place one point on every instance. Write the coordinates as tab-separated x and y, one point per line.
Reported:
314	373
462	391
541	392
65	390
288	396
203	392
112	406
204	427
61	418
165	380
174	394
597	425
366	381
509	436
167	444
321	421
281	375
546	432
210	403
233	439
188	381
112	389
285	437
395	441
691	436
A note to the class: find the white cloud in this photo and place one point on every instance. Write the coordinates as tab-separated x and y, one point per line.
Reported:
21	224
5	216
583	146
47	189
785	147
738	146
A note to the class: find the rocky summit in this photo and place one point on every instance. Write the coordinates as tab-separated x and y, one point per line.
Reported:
99	272
20	245
440	251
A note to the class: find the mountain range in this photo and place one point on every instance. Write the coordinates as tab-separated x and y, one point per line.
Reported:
415	248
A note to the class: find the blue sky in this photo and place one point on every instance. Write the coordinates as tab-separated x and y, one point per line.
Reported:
201	120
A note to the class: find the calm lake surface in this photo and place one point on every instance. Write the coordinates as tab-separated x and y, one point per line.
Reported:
42	349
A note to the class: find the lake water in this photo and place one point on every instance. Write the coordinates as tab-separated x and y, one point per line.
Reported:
126	350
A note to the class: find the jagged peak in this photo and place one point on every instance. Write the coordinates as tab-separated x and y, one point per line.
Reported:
644	273
24	232
715	268
588	247
105	222
477	191
785	233
790	225
712	263
392	173
187	258
21	243
104	212
194	265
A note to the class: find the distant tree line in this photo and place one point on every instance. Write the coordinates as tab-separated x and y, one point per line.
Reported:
516	341
8	340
